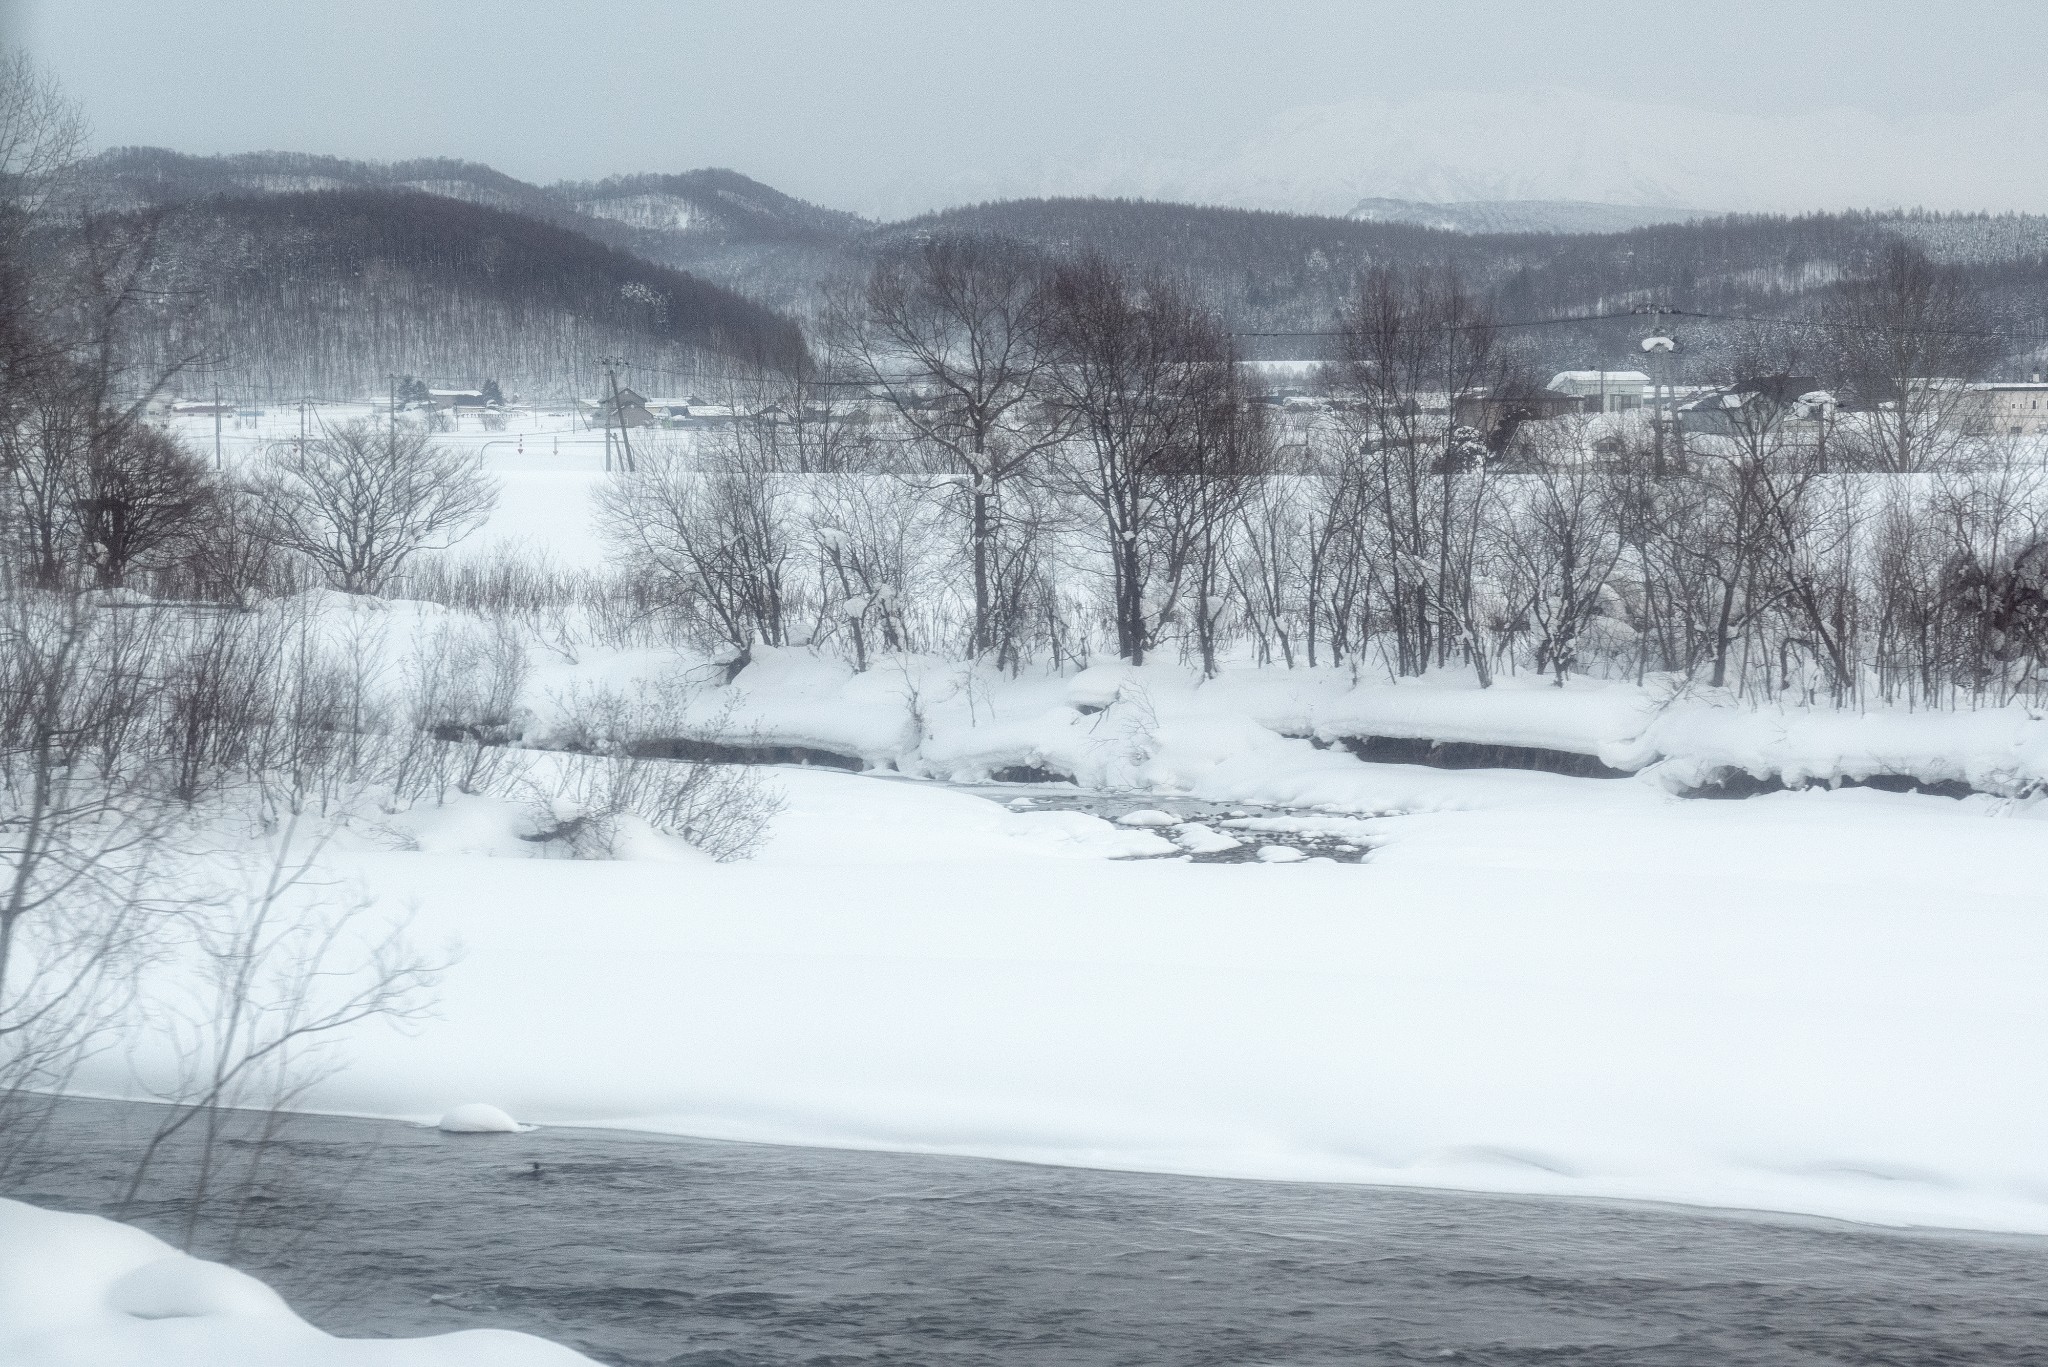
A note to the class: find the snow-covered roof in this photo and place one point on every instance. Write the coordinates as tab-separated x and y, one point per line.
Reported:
1610	378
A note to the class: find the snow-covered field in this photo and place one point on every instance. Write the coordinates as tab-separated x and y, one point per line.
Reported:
1824	1002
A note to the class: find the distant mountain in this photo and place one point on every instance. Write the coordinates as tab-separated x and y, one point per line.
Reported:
326	292
1518	215
1263	271
708	203
1489	146
713	222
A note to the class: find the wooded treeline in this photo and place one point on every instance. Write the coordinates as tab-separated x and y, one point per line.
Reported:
1071	466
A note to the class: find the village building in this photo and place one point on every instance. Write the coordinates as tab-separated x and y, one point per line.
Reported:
623	408
206	408
1602	391
2011	409
1495	413
457	398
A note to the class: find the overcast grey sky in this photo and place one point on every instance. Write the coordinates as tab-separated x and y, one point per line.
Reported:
857	103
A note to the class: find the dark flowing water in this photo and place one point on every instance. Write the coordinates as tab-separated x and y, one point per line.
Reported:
641	1249
1252	824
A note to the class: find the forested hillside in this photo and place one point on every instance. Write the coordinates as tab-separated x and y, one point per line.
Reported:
714	223
1269	272
1262	272
326	292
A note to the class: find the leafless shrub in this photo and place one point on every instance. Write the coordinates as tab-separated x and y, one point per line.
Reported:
461	693
586	804
264	975
714	536
361	500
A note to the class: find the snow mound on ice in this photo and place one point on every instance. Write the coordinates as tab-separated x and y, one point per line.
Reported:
1148	817
1280	854
77	1289
1197	838
477	1118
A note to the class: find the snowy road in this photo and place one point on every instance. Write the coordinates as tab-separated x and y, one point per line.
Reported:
637	1249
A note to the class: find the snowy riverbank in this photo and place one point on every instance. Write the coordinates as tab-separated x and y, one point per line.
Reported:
77	1289
1814	1002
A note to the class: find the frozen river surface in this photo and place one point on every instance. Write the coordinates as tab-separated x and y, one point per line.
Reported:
643	1249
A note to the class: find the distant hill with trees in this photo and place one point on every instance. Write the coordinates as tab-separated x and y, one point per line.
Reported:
1263	272
327	291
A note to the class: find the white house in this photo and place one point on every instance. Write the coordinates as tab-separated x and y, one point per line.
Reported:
1602	391
2008	409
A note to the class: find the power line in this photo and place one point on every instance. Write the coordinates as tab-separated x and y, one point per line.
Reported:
1461	327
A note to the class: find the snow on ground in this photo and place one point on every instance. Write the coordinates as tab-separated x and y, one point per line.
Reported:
76	1289
544	460
1817	1002
1826	1002
1165	727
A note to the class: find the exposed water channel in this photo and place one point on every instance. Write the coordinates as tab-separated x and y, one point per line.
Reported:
1210	832
648	1250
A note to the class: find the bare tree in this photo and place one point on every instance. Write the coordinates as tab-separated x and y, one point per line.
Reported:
953	334
1411	345
361	499
1556	531
1146	380
143	495
1909	337
263	977
81	829
720	542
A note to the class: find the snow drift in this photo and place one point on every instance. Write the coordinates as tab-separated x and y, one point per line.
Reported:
80	1291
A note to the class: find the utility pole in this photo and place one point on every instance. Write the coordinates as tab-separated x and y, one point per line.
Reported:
1664	410
611	364
216	427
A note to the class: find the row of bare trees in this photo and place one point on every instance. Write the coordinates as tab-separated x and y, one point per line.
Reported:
1016	457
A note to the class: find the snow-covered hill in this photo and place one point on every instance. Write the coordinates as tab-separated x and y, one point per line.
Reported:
1547	144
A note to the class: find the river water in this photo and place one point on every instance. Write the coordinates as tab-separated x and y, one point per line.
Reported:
641	1249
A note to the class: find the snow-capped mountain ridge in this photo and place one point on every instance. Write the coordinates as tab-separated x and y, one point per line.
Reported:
1563	146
